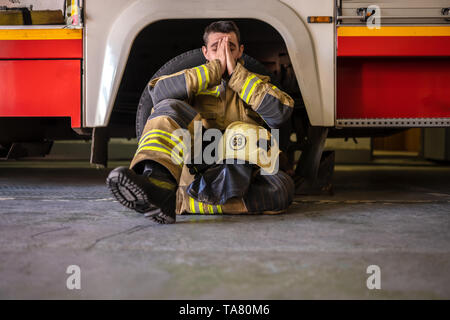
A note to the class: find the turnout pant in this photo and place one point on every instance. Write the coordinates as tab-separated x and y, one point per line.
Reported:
266	194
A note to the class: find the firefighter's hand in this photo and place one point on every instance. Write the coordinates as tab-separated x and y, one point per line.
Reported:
222	56
231	63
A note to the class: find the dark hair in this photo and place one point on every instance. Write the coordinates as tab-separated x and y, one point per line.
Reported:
222	27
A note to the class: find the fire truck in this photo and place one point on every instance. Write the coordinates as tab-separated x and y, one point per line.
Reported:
76	69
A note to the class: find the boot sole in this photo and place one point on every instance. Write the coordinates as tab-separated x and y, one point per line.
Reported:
130	195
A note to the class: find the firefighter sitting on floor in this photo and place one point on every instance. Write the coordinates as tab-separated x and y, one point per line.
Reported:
220	93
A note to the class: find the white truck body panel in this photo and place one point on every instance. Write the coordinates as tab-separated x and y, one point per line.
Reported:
395	12
111	27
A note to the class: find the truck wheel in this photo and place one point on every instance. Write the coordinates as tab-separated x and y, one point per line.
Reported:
186	60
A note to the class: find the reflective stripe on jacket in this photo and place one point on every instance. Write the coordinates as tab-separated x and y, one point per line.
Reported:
247	96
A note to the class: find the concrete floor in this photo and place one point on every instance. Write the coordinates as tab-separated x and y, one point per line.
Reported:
56	214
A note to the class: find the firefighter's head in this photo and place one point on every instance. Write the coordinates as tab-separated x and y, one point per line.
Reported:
217	30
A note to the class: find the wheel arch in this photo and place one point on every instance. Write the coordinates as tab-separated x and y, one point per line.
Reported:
103	80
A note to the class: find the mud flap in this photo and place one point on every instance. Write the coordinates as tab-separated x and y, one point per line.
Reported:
99	147
315	168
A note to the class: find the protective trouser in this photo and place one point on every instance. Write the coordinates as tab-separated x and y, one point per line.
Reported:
266	193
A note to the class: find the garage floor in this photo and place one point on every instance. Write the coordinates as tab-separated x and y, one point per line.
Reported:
396	216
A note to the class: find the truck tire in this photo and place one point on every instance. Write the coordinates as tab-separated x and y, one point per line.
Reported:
186	60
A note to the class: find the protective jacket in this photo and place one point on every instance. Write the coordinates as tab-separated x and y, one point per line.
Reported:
247	96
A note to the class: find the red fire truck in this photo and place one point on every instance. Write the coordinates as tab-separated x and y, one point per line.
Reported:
76	69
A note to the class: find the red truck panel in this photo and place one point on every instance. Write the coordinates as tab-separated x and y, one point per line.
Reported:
41	88
394	47
395	72
40	73
393	88
41	49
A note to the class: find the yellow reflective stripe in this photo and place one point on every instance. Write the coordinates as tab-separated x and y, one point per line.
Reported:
274	87
153	148
245	85
162	131
192	204
251	90
162	184
215	92
203	207
206	93
161	144
41	34
150	141
175	146
152	132
200	81
146	135
206	75
165	138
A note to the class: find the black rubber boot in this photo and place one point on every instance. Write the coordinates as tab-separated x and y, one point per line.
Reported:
147	193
